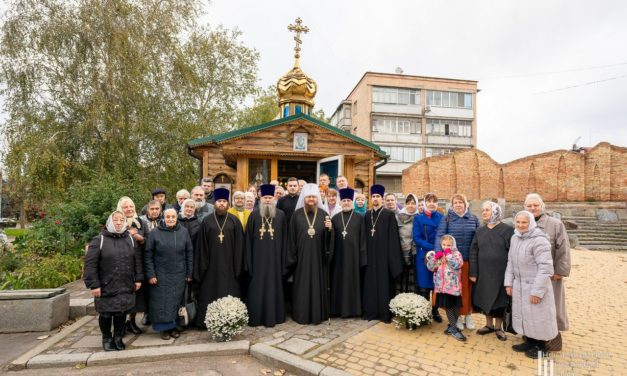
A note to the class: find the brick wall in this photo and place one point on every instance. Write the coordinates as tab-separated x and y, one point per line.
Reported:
600	174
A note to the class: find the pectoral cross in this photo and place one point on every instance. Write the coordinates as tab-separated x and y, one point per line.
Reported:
221	236
344	234
271	232
298	28
262	231
372	231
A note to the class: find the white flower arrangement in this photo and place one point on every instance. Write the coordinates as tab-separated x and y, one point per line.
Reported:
410	310
226	317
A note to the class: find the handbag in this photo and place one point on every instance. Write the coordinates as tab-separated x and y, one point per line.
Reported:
506	326
187	311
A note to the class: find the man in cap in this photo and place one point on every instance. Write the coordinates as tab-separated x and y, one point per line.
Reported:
349	256
218	255
158	194
310	247
239	208
264	261
288	202
384	258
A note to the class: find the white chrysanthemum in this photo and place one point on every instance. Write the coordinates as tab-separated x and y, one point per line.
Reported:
411	310
226	317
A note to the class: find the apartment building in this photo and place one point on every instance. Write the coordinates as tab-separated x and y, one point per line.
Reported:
410	118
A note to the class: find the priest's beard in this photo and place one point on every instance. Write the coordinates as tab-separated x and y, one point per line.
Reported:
310	208
199	204
220	211
267	210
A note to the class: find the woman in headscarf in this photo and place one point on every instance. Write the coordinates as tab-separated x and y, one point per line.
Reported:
560	251
113	272
138	229
461	224
168	259
249	200
361	204
188	219
405	220
528	282
488	260
424	231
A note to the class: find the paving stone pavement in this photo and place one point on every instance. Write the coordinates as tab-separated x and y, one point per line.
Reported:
596	344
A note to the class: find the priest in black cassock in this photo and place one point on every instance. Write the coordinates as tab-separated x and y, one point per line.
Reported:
349	257
310	243
264	260
384	258
218	255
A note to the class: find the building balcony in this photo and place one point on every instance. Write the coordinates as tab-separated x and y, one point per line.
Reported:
414	138
449	140
409	109
447	112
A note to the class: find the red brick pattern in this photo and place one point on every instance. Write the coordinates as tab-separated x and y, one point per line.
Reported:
599	174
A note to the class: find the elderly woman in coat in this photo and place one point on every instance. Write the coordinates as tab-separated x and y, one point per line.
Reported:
528	282
113	272
560	251
188	218
405	220
138	229
462	224
488	260
168	260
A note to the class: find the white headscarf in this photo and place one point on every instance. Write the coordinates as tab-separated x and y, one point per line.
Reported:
309	189
182	211
497	213
111	226
535	197
134	219
532	221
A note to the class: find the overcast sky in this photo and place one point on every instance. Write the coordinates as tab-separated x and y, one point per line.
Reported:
548	71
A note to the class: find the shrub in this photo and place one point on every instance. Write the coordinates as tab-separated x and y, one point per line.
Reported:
37	272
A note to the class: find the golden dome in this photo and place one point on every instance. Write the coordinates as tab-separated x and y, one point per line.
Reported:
295	86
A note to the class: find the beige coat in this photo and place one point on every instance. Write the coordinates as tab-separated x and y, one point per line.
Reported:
560	251
529	268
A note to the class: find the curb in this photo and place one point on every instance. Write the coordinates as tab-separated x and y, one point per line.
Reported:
21	362
291	362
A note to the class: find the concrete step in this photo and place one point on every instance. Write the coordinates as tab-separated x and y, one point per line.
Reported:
604	247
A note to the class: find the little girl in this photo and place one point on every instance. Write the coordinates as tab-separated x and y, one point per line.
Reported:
447	269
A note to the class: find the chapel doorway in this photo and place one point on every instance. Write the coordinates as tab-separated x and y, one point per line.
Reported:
305	170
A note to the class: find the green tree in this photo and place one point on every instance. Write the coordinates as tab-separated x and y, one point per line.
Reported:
265	108
118	87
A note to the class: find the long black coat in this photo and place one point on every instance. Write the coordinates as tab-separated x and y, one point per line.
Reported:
168	256
113	267
192	225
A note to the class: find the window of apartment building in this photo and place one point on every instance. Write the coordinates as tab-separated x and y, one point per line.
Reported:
395	125
392	95
449	127
402	153
433	152
449	99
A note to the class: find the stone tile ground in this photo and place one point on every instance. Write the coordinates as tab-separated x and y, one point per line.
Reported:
595	345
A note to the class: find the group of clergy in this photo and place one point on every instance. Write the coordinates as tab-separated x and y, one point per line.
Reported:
343	266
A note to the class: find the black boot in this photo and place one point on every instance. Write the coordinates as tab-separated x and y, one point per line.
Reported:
107	344
525	346
436	315
539	347
132	327
119	345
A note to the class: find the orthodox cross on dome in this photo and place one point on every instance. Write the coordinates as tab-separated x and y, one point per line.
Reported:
298	28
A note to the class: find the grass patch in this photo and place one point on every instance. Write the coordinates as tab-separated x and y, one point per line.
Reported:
15	232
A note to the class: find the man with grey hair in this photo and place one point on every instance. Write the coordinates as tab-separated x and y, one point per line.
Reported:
181	196
203	208
341	182
560	252
266	242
